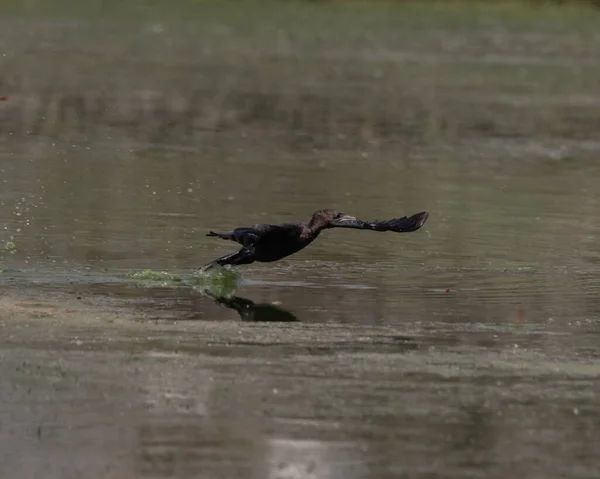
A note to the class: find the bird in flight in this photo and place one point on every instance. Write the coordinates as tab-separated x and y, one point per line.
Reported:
267	243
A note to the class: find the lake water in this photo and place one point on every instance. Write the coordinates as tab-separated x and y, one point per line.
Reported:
466	349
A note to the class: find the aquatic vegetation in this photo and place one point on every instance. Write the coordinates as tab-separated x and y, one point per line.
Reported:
220	282
150	275
9	270
10	246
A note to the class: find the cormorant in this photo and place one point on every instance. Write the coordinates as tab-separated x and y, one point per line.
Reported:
266	243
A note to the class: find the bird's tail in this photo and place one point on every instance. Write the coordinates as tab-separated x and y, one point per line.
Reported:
225	236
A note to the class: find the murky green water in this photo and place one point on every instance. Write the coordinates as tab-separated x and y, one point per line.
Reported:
466	349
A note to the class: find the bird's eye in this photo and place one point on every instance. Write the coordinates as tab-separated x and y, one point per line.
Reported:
338	216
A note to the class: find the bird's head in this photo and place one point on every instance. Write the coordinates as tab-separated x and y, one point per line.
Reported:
322	219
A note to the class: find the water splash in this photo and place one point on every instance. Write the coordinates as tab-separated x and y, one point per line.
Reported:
151	275
220	282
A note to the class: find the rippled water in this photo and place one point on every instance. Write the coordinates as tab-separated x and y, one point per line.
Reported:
466	349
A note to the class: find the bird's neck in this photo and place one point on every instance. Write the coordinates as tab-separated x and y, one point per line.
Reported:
316	225
311	230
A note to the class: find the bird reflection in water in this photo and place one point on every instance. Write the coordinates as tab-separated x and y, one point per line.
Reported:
248	310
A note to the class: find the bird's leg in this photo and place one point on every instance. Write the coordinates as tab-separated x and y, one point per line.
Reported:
243	256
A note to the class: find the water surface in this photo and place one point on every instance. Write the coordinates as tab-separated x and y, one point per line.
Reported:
466	349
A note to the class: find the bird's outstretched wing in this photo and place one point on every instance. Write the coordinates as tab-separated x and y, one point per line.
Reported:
405	224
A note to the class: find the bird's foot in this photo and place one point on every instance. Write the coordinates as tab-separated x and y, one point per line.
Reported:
210	266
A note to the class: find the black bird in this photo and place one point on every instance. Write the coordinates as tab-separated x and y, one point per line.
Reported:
267	243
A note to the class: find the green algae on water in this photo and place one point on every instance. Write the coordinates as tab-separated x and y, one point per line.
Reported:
220	282
150	275
9	270
10	246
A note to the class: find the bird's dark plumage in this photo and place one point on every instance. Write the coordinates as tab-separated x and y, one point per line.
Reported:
267	243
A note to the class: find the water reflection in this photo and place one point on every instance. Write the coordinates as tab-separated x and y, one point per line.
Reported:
251	311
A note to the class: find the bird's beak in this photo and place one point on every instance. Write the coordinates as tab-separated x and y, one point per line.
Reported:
345	221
